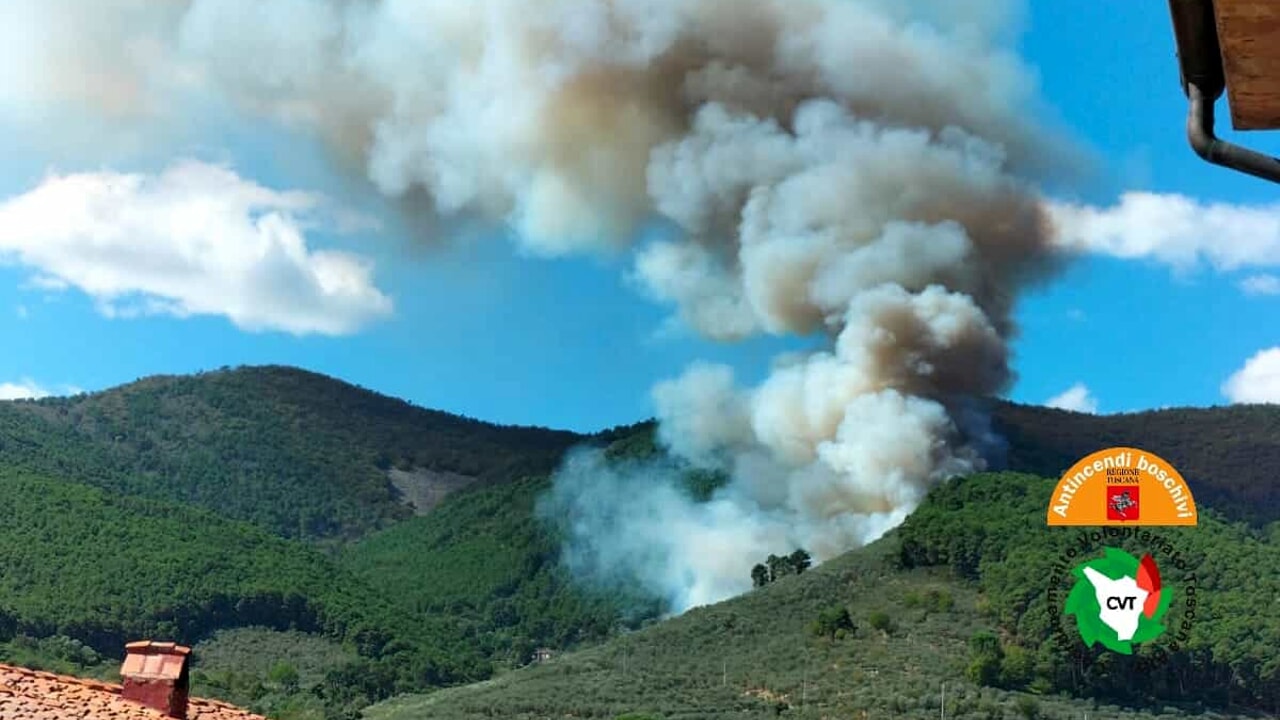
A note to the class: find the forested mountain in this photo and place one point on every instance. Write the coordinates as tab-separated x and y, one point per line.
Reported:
277	499
178	507
1228	455
82	568
485	560
982	528
950	606
300	454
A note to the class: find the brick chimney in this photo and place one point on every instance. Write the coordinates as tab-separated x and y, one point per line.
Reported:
155	675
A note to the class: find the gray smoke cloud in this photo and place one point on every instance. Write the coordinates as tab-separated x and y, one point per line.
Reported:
861	169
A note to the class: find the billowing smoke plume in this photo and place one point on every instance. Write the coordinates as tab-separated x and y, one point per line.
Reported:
859	169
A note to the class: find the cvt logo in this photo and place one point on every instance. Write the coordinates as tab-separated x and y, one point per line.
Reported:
1118	600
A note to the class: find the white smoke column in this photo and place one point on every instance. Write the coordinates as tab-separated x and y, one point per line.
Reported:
858	168
624	521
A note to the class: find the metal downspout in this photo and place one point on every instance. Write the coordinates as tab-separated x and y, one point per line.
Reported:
1220	152
1204	81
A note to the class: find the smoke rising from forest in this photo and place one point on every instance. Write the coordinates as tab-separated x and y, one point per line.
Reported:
862	170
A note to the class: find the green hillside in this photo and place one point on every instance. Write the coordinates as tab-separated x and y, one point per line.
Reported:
982	529
300	454
749	657
104	569
485	560
85	571
1229	455
268	507
157	510
436	601
277	673
924	602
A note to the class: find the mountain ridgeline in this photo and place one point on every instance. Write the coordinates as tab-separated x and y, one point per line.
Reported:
1229	455
178	507
326	547
297	453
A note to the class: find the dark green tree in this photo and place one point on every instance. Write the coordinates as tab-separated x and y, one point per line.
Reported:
778	566
985	656
800	561
759	575
833	623
1017	667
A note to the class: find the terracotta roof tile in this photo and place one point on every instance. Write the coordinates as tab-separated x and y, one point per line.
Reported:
34	695
149	647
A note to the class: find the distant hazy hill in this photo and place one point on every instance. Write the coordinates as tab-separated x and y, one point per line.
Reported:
300	454
1228	455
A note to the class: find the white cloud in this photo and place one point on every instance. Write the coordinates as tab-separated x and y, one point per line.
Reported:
28	389
1261	285
1258	381
1174	229
22	390
196	239
1076	398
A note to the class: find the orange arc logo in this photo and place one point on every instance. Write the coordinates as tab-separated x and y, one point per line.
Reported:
1122	486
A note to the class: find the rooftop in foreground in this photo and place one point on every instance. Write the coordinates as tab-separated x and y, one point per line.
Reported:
154	689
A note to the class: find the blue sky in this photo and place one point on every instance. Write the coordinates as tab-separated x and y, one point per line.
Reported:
573	343
1147	337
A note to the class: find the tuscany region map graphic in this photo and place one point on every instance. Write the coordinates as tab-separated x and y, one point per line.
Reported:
1118	600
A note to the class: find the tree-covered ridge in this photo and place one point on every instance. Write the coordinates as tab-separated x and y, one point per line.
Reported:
954	598
29	442
469	590
484	559
756	656
855	637
298	453
306	456
103	569
1228	455
80	564
435	601
990	530
438	600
